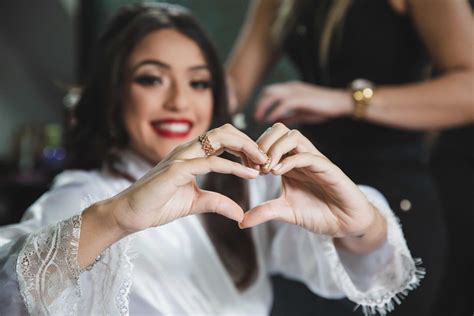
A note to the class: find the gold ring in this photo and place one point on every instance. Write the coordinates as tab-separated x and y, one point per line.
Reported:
206	144
267	164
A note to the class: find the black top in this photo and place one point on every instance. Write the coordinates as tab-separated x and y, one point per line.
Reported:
374	43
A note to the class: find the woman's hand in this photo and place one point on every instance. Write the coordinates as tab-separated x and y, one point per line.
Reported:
169	191
299	102
316	194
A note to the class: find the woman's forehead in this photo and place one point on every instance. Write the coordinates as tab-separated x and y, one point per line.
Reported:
168	49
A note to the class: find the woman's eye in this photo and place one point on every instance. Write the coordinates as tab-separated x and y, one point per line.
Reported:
201	84
148	80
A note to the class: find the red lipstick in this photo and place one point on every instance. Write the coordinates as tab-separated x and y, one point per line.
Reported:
172	127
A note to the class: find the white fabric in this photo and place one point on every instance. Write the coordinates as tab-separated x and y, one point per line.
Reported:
174	269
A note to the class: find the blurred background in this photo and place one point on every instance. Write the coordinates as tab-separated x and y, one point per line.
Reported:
45	49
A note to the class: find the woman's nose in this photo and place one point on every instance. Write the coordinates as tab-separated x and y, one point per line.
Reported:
177	100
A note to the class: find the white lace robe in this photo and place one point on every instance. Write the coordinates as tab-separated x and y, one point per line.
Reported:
174	269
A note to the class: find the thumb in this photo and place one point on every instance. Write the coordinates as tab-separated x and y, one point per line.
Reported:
271	210
212	202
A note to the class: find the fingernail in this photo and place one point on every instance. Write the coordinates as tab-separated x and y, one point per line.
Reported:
253	172
277	167
240	225
266	166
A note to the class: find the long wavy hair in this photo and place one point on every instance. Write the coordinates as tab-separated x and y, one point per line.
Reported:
330	30
99	130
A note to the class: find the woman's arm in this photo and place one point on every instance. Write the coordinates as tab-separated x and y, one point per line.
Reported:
447	30
344	240
168	192
98	230
254	51
316	194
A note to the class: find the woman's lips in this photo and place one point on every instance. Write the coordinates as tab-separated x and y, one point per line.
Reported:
172	128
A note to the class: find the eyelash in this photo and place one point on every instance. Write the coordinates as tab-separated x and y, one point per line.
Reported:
148	80
201	84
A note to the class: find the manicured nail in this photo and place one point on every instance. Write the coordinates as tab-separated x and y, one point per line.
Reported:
277	167
267	164
253	172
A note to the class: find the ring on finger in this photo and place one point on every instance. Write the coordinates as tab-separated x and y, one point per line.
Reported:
206	144
267	164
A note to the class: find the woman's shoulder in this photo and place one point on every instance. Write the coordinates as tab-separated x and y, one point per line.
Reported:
76	177
70	193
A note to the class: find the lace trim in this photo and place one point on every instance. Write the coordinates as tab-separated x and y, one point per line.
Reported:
126	266
382	299
44	284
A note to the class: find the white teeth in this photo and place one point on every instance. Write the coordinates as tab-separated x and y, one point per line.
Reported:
175	127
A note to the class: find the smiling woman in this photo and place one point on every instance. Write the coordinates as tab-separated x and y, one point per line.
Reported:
149	137
168	95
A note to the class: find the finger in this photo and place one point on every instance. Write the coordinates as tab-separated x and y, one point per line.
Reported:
284	109
303	117
224	138
213	202
273	133
188	169
229	137
249	163
317	164
267	139
245	161
291	142
270	210
271	95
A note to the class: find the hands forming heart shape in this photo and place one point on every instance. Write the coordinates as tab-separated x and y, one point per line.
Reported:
315	195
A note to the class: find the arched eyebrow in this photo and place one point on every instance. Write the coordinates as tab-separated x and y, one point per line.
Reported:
200	67
154	62
166	66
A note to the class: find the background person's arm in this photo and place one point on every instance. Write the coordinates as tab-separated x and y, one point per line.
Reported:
445	27
254	52
447	30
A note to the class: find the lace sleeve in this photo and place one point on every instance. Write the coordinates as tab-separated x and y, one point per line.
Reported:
375	281
379	280
51	282
47	269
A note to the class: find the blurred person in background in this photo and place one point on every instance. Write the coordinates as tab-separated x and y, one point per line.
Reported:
365	98
138	145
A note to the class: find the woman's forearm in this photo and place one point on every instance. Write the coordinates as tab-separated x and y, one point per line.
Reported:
254	52
442	102
98	231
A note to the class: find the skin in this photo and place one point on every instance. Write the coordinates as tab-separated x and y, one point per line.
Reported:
446	29
165	83
169	190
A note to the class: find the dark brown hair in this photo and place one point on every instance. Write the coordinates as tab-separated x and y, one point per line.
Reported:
99	130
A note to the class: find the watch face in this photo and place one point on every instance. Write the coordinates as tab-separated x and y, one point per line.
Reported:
360	84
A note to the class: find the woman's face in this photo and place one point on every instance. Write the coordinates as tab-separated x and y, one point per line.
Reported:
168	95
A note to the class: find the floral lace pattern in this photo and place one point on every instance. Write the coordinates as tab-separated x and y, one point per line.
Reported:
47	268
389	285
50	278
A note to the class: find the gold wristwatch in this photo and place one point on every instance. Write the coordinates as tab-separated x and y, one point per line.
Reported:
362	91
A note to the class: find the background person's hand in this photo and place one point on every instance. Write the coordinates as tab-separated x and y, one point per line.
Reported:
169	191
299	102
316	194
